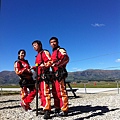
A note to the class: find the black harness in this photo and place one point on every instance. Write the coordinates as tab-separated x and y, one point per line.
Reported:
45	73
23	80
61	73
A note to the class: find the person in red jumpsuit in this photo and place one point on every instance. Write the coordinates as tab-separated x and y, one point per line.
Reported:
59	62
43	59
22	69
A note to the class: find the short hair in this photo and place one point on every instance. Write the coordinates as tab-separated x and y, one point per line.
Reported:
20	51
38	42
55	38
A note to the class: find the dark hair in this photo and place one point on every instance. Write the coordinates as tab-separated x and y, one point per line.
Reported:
38	42
55	38
20	51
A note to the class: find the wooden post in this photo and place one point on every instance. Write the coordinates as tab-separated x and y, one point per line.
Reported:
85	87
1	90
118	86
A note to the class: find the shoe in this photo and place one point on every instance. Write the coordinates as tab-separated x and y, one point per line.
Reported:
29	109
42	112
63	113
24	106
46	115
56	112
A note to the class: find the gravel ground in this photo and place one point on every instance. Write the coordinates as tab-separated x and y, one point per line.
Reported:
99	106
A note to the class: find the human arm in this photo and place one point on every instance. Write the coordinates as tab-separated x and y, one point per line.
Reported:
22	68
62	58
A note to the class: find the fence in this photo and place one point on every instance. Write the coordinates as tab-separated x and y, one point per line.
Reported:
96	86
2	89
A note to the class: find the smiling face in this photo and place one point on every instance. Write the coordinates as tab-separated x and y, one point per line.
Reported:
22	55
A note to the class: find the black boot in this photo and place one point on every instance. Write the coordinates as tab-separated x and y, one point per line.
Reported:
41	111
63	113
57	111
46	114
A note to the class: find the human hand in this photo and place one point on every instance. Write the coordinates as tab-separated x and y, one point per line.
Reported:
42	66
54	64
32	67
29	70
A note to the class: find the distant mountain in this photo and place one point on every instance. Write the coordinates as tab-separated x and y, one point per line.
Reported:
9	77
94	75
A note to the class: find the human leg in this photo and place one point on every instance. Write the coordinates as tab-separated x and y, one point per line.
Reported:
23	92
44	92
60	96
29	98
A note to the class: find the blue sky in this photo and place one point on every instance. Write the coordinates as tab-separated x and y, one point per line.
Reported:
88	29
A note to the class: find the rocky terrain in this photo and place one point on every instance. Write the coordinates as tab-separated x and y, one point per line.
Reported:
99	106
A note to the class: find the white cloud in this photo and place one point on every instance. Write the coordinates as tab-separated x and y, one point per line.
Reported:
77	69
118	60
98	25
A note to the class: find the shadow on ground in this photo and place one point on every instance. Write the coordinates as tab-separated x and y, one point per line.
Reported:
9	101
95	111
10	107
76	110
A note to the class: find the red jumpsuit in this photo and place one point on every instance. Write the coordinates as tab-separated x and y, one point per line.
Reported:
43	59
60	58
28	91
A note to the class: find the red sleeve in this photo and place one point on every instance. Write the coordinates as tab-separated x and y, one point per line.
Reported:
47	58
63	57
18	69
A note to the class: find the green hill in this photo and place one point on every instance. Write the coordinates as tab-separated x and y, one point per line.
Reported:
9	77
